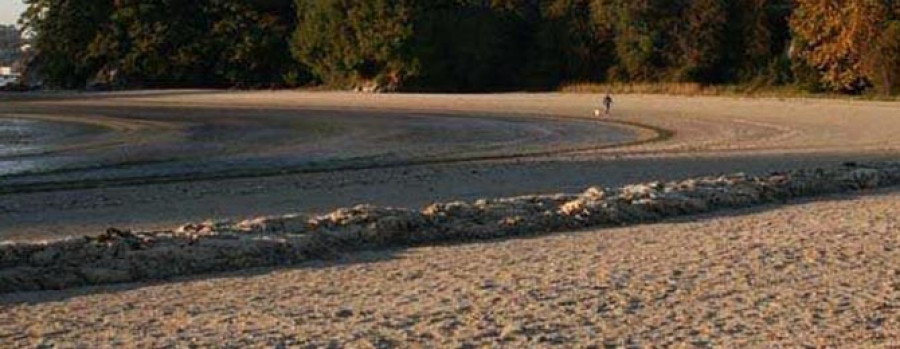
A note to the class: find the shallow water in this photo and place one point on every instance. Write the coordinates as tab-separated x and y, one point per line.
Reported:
19	136
254	143
30	145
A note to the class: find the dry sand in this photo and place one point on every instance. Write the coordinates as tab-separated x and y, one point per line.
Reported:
813	274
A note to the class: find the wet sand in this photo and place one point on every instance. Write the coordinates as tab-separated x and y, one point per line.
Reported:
194	144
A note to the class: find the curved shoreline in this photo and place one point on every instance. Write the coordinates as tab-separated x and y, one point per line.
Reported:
66	134
643	134
661	135
695	137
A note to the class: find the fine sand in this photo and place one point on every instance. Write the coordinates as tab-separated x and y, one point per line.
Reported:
814	274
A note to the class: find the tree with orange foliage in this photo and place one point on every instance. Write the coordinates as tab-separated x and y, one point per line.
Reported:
844	40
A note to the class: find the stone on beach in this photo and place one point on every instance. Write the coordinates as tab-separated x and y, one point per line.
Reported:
217	246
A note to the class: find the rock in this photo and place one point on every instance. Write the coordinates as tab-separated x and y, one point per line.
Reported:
573	208
205	228
188	229
288	224
450	209
97	276
863	178
45	257
595	193
639	191
215	246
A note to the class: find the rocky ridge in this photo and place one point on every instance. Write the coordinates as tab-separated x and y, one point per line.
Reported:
216	246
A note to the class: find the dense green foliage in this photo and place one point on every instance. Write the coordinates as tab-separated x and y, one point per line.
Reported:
162	42
64	30
468	45
343	41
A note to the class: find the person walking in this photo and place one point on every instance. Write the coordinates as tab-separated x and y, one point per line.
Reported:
607	103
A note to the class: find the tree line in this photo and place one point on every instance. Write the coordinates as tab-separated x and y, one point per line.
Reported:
10	45
847	46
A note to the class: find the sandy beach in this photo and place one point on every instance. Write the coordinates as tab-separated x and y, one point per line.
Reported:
253	162
814	274
810	273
